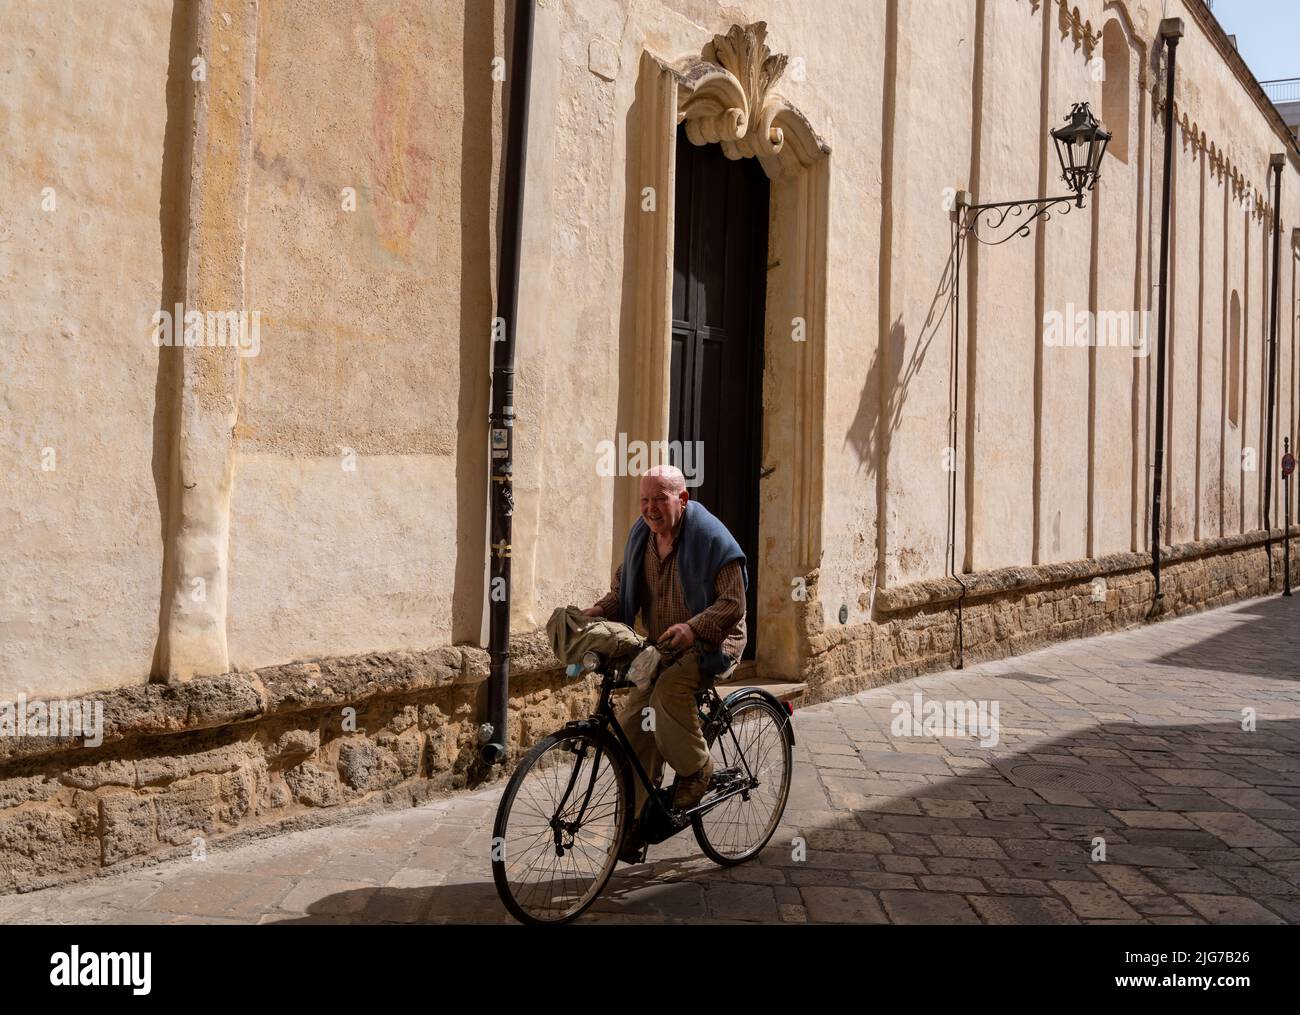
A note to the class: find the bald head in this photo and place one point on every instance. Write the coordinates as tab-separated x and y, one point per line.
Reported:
674	481
663	498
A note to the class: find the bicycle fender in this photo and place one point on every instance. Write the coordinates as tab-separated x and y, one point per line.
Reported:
746	692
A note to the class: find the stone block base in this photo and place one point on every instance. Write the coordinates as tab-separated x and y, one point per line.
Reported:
1016	610
68	810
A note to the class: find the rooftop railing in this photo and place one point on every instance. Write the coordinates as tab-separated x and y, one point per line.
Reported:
1282	90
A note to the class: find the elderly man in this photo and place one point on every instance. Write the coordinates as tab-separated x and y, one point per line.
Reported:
685	574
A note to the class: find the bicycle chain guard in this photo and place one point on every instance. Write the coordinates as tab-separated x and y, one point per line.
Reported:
656	823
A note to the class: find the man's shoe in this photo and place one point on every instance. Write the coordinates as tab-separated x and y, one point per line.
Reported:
633	846
691	788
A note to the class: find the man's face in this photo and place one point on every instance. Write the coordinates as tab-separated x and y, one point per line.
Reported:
660	507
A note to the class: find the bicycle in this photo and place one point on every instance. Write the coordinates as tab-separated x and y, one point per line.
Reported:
564	814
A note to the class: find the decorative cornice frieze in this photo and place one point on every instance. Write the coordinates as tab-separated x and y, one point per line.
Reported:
726	97
1072	24
1197	144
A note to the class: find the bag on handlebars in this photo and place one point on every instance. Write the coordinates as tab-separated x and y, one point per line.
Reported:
572	636
645	667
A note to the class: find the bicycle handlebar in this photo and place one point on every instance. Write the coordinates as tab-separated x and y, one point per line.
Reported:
665	659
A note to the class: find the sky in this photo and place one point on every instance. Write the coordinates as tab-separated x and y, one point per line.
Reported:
1268	34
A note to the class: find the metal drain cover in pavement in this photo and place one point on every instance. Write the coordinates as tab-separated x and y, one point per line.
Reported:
1034	775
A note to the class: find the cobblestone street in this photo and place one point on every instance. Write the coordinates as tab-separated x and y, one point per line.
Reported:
1135	738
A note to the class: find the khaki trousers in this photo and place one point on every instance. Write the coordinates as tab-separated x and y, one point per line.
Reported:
676	735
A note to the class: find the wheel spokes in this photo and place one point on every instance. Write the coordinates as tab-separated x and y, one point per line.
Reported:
553	864
754	744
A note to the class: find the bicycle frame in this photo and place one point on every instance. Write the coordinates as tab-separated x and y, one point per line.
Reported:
665	820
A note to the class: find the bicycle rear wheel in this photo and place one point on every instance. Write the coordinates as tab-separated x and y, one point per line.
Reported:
751	750
559	825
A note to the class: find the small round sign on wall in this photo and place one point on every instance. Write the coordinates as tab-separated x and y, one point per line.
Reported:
1288	464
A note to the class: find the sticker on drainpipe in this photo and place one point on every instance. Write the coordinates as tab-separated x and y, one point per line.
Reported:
499	442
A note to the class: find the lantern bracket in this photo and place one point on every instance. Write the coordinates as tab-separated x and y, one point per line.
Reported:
993	216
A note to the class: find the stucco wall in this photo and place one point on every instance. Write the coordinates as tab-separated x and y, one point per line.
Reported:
346	529
1002	323
1120	286
1068	254
900	134
350	515
83	109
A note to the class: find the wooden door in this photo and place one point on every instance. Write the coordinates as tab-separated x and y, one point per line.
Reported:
719	273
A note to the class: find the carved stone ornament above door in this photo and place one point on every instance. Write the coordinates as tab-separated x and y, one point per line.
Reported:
726	97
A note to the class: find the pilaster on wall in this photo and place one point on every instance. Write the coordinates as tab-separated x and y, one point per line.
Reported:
208	378
1040	276
1138	487
650	356
884	284
792	501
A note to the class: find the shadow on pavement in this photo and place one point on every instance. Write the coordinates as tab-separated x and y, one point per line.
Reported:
1265	644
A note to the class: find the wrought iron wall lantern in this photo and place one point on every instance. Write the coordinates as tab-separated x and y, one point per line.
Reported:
1080	145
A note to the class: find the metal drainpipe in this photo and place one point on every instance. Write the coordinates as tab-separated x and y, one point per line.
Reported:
503	387
1275	163
1171	30
964	201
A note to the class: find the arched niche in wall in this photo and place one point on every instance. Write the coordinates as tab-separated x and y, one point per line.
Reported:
1117	58
726	95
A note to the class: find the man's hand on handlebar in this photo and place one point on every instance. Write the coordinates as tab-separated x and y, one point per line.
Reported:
679	636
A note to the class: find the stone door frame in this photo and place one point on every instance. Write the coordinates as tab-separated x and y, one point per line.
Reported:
724	96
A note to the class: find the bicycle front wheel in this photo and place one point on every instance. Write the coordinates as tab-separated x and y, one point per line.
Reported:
751	753
557	833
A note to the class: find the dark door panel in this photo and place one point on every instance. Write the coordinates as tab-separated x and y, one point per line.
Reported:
719	273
